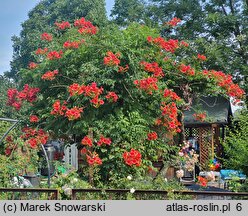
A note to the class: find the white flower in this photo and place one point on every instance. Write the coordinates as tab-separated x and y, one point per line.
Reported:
129	178
165	179
68	191
180	173
132	190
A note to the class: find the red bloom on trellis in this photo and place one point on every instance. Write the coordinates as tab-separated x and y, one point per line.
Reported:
112	96
153	68
92	90
104	140
32	65
169	46
46	36
29	94
169	117
15	97
174	21
33	143
148	84
76	89
226	83
50	75
87	141
63	25
72	45
54	55
40	51
132	158
170	94
201	57
187	69
34	137
85	27
33	118
93	159
152	136
112	59
59	109
73	113
200	116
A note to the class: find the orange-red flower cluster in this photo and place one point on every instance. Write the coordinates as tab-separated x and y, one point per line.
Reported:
15	98
85	27
112	96
33	118
91	91
46	36
32	65
40	51
153	68
203	181
50	75
104	140
54	55
63	25
94	92
169	46
225	81
76	89
34	137
93	159
169	117
123	69
187	69
148	84
112	59
72	45
87	141
200	116
132	158
174	21
152	136
202	57
73	113
59	109
172	95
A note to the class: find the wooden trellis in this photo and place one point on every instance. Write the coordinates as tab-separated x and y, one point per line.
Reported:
205	138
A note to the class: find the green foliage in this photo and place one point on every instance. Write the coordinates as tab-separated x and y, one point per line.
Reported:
236	144
42	17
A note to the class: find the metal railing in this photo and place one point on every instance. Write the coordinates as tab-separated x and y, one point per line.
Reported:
28	194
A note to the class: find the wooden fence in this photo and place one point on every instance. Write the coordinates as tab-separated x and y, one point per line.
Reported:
120	194
117	194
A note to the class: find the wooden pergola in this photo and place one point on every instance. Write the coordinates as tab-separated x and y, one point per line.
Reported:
208	134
